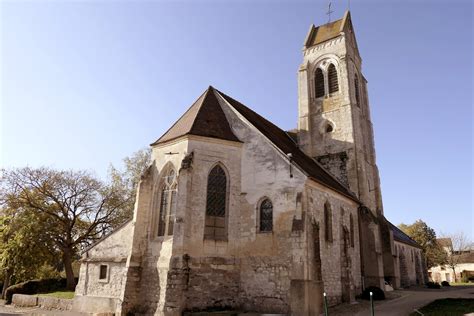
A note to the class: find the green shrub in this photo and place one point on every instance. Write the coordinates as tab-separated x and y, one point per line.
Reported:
35	287
377	293
465	277
433	285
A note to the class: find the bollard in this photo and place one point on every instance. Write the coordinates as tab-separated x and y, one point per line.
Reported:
325	305
372	312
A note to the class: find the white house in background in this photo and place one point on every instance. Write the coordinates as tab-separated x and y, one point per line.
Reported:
465	265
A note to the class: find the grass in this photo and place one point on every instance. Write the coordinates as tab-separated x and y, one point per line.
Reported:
59	294
447	307
462	284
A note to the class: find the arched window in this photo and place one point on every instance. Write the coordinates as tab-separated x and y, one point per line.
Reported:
319	83
332	79
266	216
329	128
351	223
167	204
327	223
216	204
356	87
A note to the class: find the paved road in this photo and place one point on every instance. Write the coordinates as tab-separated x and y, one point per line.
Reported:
412	300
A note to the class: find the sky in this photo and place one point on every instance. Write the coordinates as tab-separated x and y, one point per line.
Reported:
84	84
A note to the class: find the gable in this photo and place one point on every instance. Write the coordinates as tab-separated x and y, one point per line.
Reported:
114	246
285	143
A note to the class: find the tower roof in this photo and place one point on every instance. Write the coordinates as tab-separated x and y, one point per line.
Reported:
204	118
325	32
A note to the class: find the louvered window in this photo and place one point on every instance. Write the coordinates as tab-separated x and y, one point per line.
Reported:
216	203
327	223
319	83
266	216
356	87
167	204
332	79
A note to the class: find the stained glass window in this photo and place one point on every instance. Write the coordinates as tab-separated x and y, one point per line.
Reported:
266	216
216	203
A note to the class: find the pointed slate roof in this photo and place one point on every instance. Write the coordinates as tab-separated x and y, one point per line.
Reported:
286	144
204	118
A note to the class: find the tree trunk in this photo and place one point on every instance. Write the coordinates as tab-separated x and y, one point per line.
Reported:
454	272
67	261
6	282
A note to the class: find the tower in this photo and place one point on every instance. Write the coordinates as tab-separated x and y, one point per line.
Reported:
335	128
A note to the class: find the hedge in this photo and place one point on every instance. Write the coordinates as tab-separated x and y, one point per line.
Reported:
34	287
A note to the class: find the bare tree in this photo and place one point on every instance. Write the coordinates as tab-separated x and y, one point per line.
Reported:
459	243
125	180
79	207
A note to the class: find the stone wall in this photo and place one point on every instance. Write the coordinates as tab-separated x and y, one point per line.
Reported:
49	303
331	258
410	263
111	252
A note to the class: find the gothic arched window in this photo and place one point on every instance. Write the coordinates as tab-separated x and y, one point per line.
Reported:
319	83
216	204
167	204
356	87
266	216
351	223
332	79
327	223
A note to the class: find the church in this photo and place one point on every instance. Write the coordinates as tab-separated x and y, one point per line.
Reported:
237	214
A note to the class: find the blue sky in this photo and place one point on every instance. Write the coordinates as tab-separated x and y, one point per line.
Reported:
86	83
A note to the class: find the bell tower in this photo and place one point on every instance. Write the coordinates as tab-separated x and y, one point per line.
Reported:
335	128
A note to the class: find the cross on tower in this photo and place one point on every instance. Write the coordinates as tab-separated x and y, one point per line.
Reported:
329	12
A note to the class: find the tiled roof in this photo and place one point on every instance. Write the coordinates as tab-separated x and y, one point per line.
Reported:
204	118
325	32
467	257
400	236
444	242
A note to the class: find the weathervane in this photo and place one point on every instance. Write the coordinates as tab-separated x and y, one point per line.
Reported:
329	12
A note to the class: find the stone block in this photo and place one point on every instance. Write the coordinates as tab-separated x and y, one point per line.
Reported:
48	302
54	303
24	300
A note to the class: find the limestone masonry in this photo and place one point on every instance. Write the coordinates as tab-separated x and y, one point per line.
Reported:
235	213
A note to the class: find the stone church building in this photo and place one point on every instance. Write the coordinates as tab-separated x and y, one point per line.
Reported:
236	213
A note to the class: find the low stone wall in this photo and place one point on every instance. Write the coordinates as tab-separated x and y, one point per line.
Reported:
24	300
45	302
94	304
